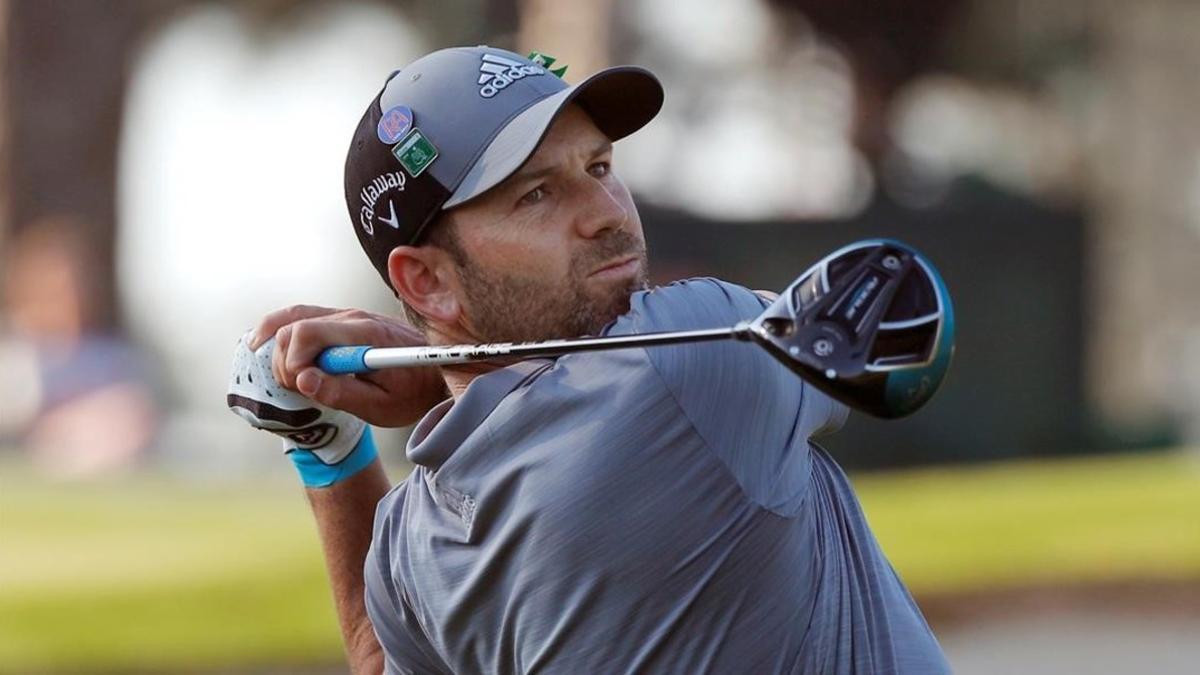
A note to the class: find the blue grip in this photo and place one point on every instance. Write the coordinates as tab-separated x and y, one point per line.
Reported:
343	360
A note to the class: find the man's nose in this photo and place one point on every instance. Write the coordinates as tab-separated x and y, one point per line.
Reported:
602	210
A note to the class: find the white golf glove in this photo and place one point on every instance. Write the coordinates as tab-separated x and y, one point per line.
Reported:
326	445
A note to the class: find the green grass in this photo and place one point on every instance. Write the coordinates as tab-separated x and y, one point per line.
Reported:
1127	518
154	575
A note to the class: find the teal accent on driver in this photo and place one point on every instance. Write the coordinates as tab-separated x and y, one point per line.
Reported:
907	390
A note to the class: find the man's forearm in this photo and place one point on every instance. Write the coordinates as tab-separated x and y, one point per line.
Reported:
344	513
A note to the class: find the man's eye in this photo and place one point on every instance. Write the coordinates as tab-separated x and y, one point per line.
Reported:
534	196
599	169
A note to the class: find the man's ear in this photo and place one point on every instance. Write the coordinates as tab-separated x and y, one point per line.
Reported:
424	277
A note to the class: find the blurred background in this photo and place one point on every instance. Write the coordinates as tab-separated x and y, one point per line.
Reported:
170	170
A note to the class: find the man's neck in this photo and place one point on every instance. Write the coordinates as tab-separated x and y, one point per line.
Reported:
459	377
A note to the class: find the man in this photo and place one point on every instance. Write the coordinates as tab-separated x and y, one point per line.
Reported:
642	510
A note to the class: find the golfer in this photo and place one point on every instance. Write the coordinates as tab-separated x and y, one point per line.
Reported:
656	510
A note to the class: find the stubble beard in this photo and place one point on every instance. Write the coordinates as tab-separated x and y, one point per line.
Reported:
507	307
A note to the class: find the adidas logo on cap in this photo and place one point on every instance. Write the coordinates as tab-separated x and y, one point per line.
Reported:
497	72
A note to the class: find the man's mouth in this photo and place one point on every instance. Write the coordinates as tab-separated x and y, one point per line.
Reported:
617	268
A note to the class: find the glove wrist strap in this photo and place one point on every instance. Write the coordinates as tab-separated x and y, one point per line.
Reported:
317	474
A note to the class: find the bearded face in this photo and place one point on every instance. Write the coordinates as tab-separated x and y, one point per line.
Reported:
516	305
553	251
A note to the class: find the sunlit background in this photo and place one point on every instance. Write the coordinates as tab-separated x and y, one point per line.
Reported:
170	171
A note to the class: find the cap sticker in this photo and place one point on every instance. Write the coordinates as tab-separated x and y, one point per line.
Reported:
415	152
545	61
394	124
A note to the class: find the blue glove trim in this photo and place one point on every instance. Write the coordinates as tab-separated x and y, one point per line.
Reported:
317	474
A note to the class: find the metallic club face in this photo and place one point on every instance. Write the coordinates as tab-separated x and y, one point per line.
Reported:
871	325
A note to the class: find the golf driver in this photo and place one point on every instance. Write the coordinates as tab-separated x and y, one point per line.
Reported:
871	325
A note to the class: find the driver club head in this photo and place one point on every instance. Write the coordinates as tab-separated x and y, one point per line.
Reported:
871	325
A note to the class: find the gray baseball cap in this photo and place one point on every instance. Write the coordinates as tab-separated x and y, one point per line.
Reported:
455	123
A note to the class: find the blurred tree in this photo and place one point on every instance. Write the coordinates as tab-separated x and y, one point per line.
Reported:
888	43
5	98
65	66
574	31
5	136
63	69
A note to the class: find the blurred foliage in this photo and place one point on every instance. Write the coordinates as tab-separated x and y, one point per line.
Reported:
147	574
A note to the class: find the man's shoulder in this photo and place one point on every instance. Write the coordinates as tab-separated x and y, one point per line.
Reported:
698	302
709	289
390	508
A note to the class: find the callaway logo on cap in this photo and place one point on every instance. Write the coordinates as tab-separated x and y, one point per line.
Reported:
455	123
369	198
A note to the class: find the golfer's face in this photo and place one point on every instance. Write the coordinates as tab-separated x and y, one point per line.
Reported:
557	248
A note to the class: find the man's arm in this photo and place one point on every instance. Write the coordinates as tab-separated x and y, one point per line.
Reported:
345	510
344	513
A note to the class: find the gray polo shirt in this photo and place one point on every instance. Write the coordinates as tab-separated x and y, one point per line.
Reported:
654	510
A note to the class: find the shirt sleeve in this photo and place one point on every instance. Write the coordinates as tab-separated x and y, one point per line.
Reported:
406	649
751	410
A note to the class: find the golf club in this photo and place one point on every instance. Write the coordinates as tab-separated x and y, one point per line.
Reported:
871	325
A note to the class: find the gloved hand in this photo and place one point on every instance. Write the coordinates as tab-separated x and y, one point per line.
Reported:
394	397
326	445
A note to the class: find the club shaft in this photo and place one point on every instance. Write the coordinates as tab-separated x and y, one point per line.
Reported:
361	359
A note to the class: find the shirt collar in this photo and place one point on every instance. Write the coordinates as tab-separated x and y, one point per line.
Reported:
444	428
